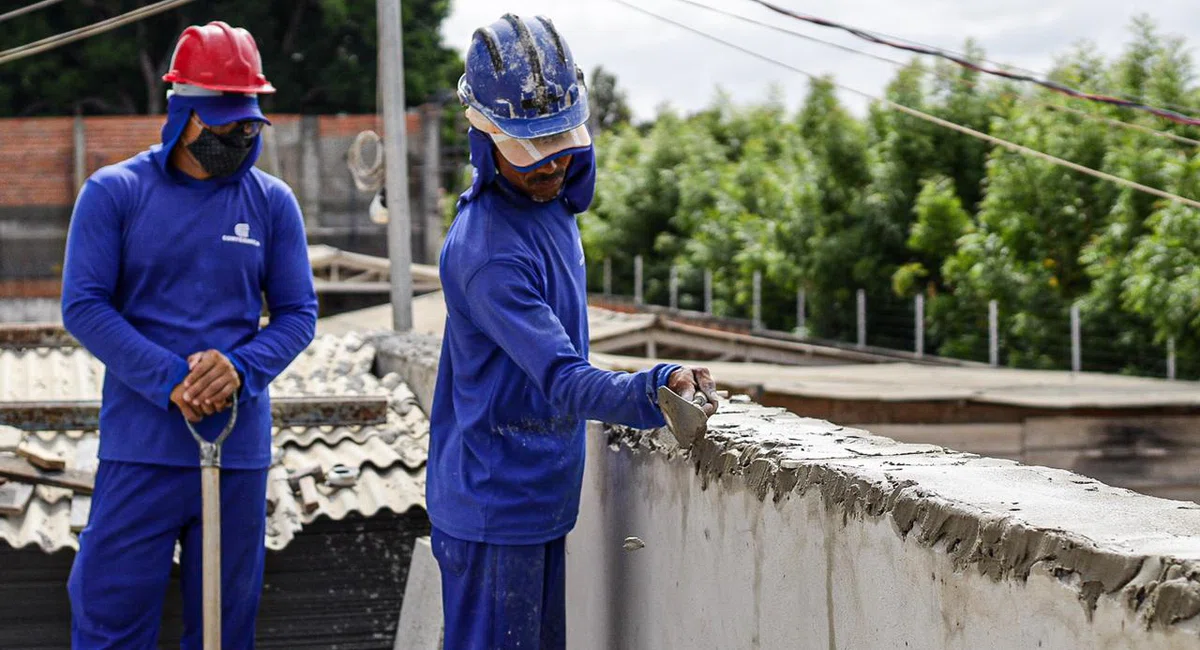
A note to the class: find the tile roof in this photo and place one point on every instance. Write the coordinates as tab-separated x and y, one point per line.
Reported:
389	458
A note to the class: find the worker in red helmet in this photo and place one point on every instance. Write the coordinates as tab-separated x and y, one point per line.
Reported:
169	256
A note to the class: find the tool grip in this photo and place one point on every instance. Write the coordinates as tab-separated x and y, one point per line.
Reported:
210	452
210	527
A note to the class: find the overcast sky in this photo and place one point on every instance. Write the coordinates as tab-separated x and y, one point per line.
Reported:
656	62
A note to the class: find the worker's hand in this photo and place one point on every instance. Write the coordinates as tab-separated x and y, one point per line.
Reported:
192	414
212	382
686	381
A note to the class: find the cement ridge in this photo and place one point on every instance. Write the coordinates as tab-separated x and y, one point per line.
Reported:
998	517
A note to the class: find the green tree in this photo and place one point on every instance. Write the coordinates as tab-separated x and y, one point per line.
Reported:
320	55
608	104
941	222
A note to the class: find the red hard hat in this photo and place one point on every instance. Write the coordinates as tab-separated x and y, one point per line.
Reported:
218	57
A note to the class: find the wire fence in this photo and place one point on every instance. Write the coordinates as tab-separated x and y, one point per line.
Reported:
1033	337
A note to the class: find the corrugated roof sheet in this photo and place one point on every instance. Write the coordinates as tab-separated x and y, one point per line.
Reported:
389	458
331	365
49	373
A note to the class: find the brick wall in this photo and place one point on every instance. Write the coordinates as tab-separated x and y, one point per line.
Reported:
37	155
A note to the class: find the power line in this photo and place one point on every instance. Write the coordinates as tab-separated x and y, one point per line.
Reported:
52	42
932	119
920	49
1091	116
24	10
1010	66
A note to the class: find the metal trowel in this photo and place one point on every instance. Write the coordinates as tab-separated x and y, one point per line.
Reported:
685	419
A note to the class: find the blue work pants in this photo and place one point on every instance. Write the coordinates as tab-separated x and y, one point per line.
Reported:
497	597
126	551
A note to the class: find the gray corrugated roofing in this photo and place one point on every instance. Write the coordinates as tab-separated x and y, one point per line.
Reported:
390	458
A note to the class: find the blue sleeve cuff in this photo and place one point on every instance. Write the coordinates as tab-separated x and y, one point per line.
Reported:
659	377
181	373
241	371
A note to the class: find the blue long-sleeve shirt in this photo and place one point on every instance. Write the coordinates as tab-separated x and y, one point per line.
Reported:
158	266
514	387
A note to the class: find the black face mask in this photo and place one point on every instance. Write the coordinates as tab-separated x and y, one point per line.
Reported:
221	155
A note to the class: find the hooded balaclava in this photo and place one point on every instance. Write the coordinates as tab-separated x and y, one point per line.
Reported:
578	188
211	110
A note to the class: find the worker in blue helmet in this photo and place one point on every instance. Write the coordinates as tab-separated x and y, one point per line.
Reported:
514	387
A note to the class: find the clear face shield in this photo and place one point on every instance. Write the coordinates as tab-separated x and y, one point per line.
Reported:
528	154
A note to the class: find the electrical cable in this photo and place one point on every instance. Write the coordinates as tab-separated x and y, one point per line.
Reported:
1084	114
94	29
1174	116
932	119
1182	109
367	178
24	10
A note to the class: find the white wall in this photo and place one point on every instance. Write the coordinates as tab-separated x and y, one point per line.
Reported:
828	567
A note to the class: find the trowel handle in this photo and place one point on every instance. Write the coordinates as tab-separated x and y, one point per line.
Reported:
700	399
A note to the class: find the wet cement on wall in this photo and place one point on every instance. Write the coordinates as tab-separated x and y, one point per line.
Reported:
776	530
1127	564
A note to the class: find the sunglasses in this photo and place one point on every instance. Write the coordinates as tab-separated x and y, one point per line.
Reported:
244	128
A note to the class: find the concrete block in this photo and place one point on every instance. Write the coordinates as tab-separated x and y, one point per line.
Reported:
414	357
421	612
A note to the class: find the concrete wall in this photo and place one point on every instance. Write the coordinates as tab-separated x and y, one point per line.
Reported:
783	532
30	310
777	531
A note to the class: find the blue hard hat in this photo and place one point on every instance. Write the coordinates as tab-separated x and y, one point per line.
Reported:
521	77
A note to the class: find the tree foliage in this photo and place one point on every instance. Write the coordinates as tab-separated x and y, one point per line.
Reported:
819	200
608	104
319	54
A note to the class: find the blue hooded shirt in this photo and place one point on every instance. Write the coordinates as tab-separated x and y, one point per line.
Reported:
160	265
514	386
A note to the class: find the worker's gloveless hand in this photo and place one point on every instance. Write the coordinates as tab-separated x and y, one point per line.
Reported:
192	414
211	383
686	381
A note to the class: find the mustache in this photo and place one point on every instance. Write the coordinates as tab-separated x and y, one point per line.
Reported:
548	177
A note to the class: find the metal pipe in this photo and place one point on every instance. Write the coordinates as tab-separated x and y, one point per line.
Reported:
637	280
399	242
708	291
1076	345
993	333
862	318
919	324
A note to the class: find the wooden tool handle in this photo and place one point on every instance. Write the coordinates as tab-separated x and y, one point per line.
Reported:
210	495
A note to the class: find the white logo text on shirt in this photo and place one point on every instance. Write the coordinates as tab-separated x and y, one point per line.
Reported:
241	235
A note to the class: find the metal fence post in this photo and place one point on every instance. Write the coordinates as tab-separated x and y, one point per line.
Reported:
993	333
708	298
674	288
862	318
801	316
757	313
608	276
1171	358
1076	352
637	280
919	324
